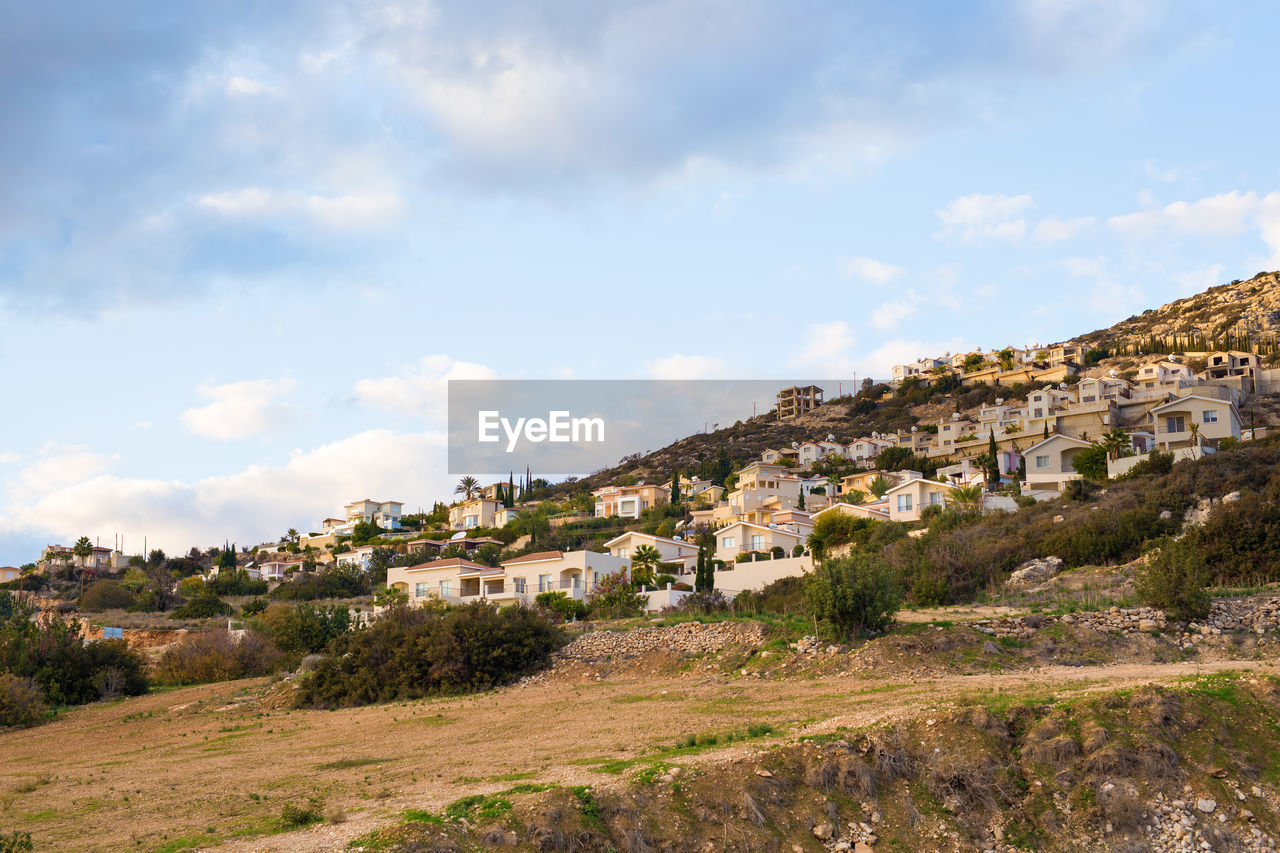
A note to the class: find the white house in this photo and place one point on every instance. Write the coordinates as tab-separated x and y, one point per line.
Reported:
669	550
907	500
1049	465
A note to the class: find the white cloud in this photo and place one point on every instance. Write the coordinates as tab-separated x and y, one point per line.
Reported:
679	366
890	314
421	390
8	458
1212	216
244	86
249	201
827	347
1051	229
248	507
55	466
240	409
361	210
350	211
871	270
985	216
1193	281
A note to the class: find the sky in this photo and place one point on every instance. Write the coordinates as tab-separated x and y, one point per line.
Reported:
244	246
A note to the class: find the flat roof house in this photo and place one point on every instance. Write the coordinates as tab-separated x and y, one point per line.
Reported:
477	512
798	399
741	537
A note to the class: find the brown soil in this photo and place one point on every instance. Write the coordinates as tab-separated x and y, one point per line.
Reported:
217	763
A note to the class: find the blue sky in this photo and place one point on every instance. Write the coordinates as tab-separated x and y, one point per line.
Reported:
242	250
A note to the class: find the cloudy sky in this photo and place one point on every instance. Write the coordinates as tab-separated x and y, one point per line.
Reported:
243	246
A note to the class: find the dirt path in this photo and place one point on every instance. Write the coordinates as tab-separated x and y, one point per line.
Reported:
208	766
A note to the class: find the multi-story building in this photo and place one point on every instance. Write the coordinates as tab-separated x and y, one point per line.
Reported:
798	399
629	501
385	514
477	512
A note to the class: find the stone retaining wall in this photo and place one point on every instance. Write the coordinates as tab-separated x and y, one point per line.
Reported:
685	638
1258	614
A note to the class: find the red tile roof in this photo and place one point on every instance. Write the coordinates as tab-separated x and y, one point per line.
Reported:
458	562
537	555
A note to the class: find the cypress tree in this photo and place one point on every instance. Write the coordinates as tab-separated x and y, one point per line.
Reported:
993	460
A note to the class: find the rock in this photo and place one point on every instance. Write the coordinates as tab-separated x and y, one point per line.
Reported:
1230	497
823	831
1165	515
990	648
1036	571
1206	806
765	773
863	847
1057	519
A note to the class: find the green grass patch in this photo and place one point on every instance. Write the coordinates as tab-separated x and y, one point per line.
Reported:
177	845
422	816
348	763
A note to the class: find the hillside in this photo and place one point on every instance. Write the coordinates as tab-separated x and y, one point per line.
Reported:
1242	309
1219	317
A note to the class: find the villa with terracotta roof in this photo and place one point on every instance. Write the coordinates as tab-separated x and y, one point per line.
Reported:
459	580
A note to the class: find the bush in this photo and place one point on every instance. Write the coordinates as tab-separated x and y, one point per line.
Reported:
614	598
784	595
236	583
253	607
1174	580
1240	541
21	702
1158	462
68	670
340	581
105	595
705	602
414	652
216	656
203	606
561	605
16	842
303	629
851	595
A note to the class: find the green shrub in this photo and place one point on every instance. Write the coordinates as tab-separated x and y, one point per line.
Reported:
293	817
253	607
203	606
851	595
340	581
1158	463
1174	581
561	605
1240	541
614	598
236	583
16	842
105	595
415	652
216	656
303	629
784	595
21	702
68	670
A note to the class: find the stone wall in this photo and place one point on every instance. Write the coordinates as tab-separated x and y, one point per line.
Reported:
686	638
1258	614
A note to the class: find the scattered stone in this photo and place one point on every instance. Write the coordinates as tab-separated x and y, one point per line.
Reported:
1206	806
823	831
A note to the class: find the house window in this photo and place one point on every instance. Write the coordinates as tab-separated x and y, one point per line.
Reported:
446	589
757	542
624	552
421	590
1209	416
1042	461
518	584
1039	413
728	542
472	520
935	499
544	583
1173	424
1088	399
904	503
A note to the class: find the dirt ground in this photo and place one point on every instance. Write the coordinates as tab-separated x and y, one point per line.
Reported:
213	766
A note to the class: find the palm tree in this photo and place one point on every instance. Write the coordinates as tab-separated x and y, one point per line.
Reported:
1115	442
467	487
855	496
879	486
83	549
644	559
968	497
1194	429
